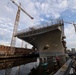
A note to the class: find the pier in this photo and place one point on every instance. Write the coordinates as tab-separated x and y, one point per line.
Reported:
5	52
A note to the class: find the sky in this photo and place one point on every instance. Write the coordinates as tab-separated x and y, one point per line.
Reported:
42	11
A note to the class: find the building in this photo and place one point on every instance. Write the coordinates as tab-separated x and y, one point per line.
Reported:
73	50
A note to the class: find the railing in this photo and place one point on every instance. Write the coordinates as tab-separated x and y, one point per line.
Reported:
40	27
64	70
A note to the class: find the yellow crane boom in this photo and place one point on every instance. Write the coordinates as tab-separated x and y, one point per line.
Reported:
22	9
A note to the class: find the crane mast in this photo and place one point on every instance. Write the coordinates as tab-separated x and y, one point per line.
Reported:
75	27
13	40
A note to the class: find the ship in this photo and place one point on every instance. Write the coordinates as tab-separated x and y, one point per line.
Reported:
48	39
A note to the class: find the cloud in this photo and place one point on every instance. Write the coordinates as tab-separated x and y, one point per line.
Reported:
70	36
41	10
4	43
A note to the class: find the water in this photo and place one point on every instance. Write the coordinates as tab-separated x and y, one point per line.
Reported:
27	66
18	66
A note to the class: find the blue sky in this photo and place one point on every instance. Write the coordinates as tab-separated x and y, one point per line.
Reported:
42	11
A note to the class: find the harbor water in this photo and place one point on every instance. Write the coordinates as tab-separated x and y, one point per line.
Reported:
28	66
19	66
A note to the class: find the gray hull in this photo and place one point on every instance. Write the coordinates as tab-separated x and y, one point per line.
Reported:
47	40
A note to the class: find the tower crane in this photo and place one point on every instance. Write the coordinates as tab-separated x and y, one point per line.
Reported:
75	27
74	24
22	9
13	40
71	23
